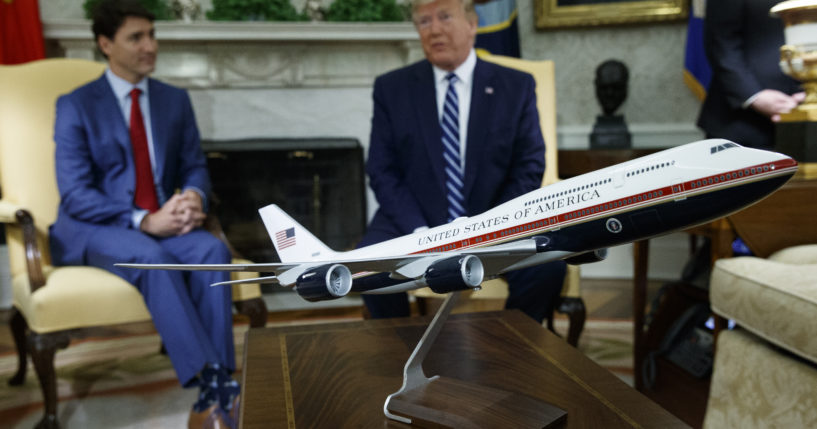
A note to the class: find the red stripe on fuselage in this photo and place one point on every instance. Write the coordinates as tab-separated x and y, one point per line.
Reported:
619	205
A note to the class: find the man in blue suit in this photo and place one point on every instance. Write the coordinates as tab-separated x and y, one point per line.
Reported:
125	144
748	91
437	153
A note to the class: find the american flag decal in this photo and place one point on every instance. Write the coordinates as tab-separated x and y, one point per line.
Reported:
285	238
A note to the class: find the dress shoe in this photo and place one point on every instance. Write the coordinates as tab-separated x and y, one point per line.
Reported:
234	410
210	418
219	420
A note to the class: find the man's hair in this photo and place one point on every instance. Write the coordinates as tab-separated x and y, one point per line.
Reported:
108	16
467	5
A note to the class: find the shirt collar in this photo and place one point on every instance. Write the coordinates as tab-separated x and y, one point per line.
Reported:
121	87
465	72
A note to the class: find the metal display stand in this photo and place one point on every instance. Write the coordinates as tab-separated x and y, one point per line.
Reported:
446	402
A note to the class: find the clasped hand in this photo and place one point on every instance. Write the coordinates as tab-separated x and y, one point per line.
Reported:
178	216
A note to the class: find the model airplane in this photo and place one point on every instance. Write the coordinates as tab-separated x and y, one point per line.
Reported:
575	220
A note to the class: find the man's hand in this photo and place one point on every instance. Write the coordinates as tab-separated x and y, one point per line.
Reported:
772	103
178	216
191	211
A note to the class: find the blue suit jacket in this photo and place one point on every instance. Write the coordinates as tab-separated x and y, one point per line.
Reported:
743	47
504	153
94	160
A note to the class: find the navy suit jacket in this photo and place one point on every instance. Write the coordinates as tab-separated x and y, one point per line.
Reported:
94	160
743	47
504	155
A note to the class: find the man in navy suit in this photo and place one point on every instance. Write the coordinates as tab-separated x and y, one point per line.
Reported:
125	144
748	91
500	145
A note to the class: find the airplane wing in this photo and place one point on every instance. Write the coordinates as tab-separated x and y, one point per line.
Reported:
495	260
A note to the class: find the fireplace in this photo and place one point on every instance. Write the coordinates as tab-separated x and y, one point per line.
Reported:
319	182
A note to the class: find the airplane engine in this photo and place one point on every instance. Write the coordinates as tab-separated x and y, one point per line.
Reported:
543	243
586	258
324	283
457	273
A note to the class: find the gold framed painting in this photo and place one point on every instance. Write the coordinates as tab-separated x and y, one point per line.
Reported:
552	14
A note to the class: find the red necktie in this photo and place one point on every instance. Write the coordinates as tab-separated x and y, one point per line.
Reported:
145	194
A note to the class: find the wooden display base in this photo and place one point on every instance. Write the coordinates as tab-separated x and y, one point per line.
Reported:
452	403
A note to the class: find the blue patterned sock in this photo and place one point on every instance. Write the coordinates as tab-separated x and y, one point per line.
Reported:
216	386
208	394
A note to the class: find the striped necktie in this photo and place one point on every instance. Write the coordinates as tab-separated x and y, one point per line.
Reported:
450	124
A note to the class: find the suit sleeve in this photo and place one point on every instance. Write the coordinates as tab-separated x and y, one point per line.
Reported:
528	162
725	50
192	169
81	196
386	172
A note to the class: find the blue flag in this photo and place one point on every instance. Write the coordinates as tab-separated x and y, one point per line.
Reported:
497	30
697	72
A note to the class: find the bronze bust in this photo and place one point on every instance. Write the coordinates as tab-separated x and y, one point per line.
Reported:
610	131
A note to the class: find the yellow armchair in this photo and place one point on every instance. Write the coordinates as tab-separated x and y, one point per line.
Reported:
50	302
571	302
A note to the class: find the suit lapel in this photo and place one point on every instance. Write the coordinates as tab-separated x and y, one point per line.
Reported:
482	107
425	105
158	124
110	112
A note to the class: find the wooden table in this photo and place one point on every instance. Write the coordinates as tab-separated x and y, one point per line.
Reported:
338	375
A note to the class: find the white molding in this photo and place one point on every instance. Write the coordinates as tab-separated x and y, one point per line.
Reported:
644	135
207	54
221	31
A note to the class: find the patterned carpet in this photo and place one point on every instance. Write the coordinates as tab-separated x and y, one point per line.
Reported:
121	381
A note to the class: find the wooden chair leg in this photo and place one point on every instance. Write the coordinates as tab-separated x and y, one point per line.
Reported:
255	309
19	327
576	314
422	305
43	347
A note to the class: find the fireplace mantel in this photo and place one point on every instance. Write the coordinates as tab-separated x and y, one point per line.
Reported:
207	54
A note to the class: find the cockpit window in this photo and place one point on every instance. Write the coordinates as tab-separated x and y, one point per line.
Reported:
720	147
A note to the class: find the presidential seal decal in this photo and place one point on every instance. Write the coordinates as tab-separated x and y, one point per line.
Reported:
614	225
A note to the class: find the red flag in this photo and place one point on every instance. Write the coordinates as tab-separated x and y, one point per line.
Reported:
21	32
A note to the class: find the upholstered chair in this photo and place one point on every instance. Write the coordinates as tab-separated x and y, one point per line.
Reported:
765	371
52	303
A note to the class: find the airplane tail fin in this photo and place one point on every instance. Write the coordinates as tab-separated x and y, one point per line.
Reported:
293	242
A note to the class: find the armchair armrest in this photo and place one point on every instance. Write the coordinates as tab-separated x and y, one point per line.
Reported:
8	210
798	255
14	214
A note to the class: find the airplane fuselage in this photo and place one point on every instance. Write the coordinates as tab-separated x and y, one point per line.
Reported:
656	194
